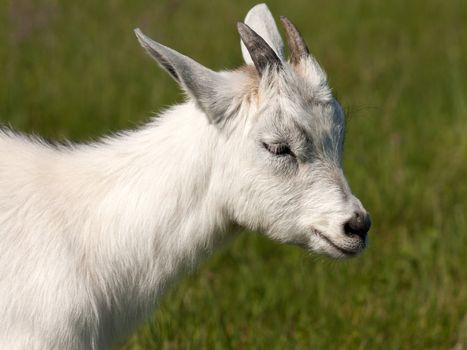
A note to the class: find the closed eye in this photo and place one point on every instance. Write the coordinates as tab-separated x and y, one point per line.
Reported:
278	149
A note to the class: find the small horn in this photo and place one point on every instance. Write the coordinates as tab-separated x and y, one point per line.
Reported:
261	53
297	45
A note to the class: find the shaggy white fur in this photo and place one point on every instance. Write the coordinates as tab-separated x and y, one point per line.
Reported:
91	235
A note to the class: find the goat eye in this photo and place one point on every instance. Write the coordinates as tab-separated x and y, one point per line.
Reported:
278	149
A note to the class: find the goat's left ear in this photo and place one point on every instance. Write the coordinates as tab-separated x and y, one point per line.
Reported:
260	19
201	83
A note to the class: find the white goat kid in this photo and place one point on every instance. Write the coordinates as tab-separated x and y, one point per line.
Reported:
91	235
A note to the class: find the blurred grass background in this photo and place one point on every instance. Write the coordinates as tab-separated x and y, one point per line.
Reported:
74	70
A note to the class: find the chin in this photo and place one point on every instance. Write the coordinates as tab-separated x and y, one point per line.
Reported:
334	248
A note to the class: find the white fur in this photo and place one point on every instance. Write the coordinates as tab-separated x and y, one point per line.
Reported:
92	235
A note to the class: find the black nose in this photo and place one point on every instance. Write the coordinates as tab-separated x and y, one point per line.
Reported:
358	225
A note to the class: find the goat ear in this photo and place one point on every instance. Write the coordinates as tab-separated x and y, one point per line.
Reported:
199	82
260	19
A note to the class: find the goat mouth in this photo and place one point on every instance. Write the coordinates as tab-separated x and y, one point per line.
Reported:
344	251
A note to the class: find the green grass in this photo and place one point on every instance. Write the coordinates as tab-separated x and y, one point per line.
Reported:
72	69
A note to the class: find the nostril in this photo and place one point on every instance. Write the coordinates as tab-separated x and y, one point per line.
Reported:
358	225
